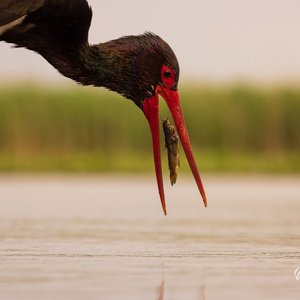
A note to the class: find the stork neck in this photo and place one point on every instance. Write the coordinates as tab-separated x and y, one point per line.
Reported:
89	65
75	64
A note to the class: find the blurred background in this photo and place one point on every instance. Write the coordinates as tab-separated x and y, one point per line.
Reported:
104	236
239	89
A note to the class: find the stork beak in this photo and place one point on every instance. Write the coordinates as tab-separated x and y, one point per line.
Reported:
151	110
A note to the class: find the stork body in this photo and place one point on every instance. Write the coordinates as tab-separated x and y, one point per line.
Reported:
137	67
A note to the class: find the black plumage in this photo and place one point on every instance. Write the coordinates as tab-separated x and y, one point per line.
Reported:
58	30
137	67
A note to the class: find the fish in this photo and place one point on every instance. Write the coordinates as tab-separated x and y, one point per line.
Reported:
172	145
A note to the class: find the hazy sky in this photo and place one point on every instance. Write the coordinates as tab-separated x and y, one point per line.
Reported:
214	40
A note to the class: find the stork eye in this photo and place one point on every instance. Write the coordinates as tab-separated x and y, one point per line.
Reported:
167	74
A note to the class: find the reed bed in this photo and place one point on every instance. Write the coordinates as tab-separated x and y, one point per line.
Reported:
82	129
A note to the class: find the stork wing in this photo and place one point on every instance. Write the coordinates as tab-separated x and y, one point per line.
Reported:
60	23
11	10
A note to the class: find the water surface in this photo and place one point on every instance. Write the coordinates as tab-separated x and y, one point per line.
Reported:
105	237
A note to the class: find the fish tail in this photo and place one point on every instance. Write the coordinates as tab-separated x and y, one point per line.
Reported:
173	176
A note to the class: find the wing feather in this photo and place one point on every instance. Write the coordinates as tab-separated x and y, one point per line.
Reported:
60	23
11	10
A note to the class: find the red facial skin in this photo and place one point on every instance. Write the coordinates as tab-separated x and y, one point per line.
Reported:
151	110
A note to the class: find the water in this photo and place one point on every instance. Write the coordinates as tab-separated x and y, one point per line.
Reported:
105	237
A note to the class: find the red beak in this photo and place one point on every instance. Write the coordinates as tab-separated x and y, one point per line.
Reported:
151	110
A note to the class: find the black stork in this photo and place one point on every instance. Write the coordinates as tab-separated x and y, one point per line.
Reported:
138	67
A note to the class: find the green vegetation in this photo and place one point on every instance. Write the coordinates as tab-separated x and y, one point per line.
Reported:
237	128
